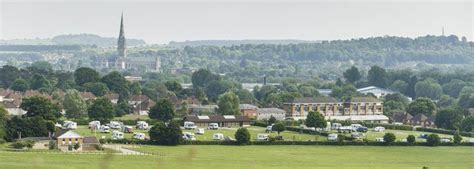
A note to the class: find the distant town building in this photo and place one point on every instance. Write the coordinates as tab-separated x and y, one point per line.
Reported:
248	110
266	113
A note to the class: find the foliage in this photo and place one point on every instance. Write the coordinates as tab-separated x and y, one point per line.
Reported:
41	107
315	119
272	120
421	105
85	75
102	110
448	118
97	88
202	77
28	127
228	104
389	138
166	134
173	86
74	105
279	127
20	85
433	140
76	146
377	76
411	139
242	136
428	88
352	75
467	124
163	110
457	138
117	83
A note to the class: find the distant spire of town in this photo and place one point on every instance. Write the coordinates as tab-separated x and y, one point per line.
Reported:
121	46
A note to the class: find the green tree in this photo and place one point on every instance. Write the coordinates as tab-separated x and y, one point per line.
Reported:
41	67
279	127
102	110
215	88
163	110
228	104
74	104
467	124
457	137
3	122
8	74
352	75
454	87
433	140
173	86
377	76
41	107
389	138
39	82
242	136
117	83
272	120
166	134
135	88
20	85
466	97
97	88
202	77
315	119
122	108
245	96
446	101
77	146
28	127
399	85
448	118
428	88
85	75
411	139
421	105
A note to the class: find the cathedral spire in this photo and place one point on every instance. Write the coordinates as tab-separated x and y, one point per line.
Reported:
121	46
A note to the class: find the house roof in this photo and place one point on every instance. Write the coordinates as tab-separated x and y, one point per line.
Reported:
270	111
67	134
422	118
87	95
90	140
139	98
217	118
401	117
314	100
112	96
247	106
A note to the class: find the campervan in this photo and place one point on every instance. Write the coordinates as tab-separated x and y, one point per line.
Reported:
379	129
356	126
262	137
104	129
189	125
213	126
344	129
117	135
139	136
357	136
332	137
218	136
127	129
94	125
188	136
142	125
70	125
199	131
115	125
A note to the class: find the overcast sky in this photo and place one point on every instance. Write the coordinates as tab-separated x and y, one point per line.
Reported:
162	21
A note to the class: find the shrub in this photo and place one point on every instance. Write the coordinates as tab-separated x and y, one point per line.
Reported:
411	139
457	138
18	145
52	145
242	136
389	138
279	127
76	146
442	131
432	140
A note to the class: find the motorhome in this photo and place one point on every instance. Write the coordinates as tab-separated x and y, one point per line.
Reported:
115	125
94	125
139	136
213	126
188	136
262	137
218	136
199	131
189	125
142	125
70	125
332	137
117	135
379	129
335	126
345	129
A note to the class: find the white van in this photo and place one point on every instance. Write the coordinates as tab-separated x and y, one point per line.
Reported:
189	125
213	126
199	131
139	136
379	129
332	137
117	135
262	137
218	136
94	125
70	125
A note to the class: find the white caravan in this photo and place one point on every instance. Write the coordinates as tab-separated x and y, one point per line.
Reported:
189	125
117	135
218	136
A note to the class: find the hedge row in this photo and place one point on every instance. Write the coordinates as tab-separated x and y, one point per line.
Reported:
443	131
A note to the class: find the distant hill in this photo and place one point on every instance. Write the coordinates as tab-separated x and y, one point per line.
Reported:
238	42
73	39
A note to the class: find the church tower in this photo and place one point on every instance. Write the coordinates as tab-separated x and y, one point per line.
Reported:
121	47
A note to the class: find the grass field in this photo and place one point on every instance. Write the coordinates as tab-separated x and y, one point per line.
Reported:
349	157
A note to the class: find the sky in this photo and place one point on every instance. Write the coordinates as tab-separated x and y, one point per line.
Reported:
162	21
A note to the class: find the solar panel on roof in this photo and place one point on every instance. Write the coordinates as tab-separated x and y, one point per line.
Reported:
229	117
203	117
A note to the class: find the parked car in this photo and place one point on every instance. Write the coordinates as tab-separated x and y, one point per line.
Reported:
379	140
94	125
218	136
379	129
188	136
423	136
70	125
117	135
188	125
332	137
262	137
213	126
104	129
199	131
336	126
139	136
362	129
142	125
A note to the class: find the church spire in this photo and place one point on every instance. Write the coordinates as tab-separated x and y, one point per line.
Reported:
121	47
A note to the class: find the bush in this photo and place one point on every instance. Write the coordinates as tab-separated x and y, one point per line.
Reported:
389	138
443	131
18	145
52	145
457	138
76	146
242	136
411	139
166	134
432	140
